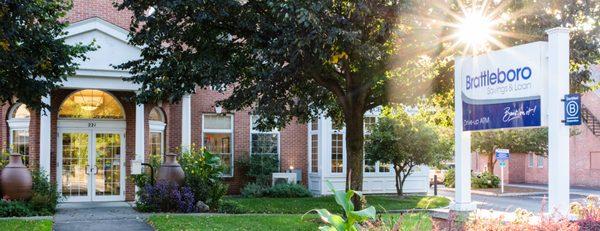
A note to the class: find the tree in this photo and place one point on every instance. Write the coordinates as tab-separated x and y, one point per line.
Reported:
34	57
297	59
406	142
516	140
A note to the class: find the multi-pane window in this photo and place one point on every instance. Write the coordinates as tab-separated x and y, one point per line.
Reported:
156	119
18	122
530	160
540	161
314	153
20	144
369	122
337	153
218	139
263	142
156	143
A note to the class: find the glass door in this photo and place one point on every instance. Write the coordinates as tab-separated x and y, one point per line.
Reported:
108	166
74	165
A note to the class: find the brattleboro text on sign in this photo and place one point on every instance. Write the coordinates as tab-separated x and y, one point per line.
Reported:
504	89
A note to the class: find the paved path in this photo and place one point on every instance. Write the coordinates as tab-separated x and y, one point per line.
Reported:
113	216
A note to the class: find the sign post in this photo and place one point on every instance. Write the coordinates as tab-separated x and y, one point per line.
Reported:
516	87
502	155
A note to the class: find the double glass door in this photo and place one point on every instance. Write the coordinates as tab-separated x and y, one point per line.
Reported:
91	165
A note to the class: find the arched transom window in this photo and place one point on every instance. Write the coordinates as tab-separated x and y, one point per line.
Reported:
91	104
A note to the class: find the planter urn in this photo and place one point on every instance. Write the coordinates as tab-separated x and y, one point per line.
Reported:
16	180
171	171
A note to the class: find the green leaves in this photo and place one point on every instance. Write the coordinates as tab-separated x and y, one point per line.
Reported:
34	59
336	222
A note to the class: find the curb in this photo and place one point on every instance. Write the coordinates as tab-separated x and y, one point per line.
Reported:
34	218
498	194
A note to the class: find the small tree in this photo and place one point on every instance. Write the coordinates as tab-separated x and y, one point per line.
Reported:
406	142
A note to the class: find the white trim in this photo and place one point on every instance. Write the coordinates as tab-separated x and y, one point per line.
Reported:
98	24
18	124
139	132
45	135
156	126
186	122
102	80
222	131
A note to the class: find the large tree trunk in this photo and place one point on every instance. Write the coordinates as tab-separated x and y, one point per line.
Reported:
354	152
491	163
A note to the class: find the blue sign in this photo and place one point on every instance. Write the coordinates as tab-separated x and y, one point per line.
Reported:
572	109
512	114
502	154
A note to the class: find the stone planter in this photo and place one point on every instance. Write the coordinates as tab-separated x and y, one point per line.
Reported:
171	171
16	180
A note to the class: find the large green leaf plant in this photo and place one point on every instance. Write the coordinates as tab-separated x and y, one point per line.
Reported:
338	223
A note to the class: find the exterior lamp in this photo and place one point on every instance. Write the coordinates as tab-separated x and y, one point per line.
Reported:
218	109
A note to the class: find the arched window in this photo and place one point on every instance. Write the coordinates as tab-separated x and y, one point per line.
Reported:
91	104
18	124
156	121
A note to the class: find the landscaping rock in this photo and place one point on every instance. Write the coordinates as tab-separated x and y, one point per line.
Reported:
202	207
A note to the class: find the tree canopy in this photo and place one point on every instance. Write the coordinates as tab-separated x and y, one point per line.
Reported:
34	58
301	58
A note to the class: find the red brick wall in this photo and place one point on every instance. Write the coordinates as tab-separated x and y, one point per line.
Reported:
85	9
293	146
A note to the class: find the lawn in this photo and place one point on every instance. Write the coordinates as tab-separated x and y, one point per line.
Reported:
302	205
20	224
262	222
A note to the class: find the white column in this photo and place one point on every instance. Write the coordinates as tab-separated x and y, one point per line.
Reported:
558	133
325	125
45	131
139	132
462	150
186	122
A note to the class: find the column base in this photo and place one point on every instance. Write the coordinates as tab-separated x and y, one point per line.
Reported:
463	207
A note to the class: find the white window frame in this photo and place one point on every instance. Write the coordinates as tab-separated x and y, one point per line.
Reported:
222	131
377	164
344	151
540	161
157	126
273	131
16	124
312	133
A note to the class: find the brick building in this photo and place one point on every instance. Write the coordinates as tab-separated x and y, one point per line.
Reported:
93	130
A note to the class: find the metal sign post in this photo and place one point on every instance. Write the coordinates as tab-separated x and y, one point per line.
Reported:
502	155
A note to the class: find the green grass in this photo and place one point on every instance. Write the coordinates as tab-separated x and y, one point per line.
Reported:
19	224
302	205
280	222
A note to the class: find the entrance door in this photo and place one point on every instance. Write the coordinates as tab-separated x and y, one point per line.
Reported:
91	165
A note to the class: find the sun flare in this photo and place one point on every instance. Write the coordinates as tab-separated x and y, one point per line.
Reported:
475	30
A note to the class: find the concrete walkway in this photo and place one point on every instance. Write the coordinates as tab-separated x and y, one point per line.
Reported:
93	216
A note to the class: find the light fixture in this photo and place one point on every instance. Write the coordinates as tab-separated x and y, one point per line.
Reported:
88	100
218	109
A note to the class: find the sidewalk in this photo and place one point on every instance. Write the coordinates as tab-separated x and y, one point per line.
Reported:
582	191
91	216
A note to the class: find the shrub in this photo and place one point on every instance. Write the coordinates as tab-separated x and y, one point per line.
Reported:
10	208
203	175
45	194
260	168
232	207
289	190
255	190
449	178
485	180
166	197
